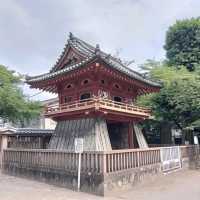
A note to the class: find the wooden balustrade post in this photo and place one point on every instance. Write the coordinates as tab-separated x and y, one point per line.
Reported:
104	164
138	159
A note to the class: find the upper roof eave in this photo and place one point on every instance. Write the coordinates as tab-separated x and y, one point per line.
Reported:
109	61
129	72
50	75
90	53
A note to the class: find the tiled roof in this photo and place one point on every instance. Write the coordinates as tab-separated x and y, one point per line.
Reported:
33	131
89	53
27	131
59	72
52	101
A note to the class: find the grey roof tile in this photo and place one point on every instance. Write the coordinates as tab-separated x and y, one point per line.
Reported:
90	52
28	131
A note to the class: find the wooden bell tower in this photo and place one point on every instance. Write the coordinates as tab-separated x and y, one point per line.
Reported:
96	98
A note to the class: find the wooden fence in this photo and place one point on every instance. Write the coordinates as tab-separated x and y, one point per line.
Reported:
92	162
118	160
52	159
1	159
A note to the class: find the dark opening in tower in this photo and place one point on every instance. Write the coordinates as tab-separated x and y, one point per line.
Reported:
85	96
117	99
118	133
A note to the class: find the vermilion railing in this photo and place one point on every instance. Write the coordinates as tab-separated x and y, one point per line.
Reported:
97	103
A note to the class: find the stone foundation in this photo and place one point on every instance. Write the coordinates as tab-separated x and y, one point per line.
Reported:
96	184
102	172
90	183
129	178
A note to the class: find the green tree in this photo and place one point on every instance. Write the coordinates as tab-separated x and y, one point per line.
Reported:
14	106
182	43
179	100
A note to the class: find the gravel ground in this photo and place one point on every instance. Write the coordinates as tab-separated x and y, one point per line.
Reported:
181	185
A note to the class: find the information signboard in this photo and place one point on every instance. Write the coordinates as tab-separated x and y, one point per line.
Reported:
78	145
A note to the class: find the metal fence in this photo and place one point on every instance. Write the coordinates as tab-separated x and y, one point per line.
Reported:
170	158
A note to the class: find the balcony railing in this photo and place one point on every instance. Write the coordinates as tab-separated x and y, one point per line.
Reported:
97	104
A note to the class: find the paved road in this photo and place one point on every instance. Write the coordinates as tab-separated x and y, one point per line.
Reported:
182	185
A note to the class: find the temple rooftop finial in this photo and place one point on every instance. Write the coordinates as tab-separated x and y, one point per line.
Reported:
97	49
71	36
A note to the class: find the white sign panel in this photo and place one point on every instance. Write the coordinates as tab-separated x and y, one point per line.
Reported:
196	141
78	143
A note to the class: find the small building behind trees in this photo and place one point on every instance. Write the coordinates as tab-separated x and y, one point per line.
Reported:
25	138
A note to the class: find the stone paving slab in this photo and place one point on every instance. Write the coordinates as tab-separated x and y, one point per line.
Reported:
181	185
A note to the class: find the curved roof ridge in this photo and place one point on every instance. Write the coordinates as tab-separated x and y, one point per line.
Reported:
88	46
61	71
132	73
83	48
89	52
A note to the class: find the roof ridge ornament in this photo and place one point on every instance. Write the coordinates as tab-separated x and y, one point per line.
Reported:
97	49
108	56
71	36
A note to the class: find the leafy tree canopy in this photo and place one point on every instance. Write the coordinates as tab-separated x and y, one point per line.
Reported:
179	100
14	106
183	43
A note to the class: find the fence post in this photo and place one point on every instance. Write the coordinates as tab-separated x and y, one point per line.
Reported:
138	158
104	164
180	157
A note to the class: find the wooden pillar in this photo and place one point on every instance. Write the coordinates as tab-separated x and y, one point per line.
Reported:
3	145
59	94
130	135
135	142
4	142
40	146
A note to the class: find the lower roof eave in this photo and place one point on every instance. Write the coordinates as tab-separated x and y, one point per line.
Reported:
92	112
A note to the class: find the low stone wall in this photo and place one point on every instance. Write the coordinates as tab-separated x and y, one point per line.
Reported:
190	163
90	183
102	172
96	184
186	163
127	179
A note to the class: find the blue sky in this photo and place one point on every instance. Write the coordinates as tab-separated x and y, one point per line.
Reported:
33	33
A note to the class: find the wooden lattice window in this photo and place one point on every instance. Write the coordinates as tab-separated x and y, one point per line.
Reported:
116	86
69	86
67	99
102	81
85	96
117	99
85	81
